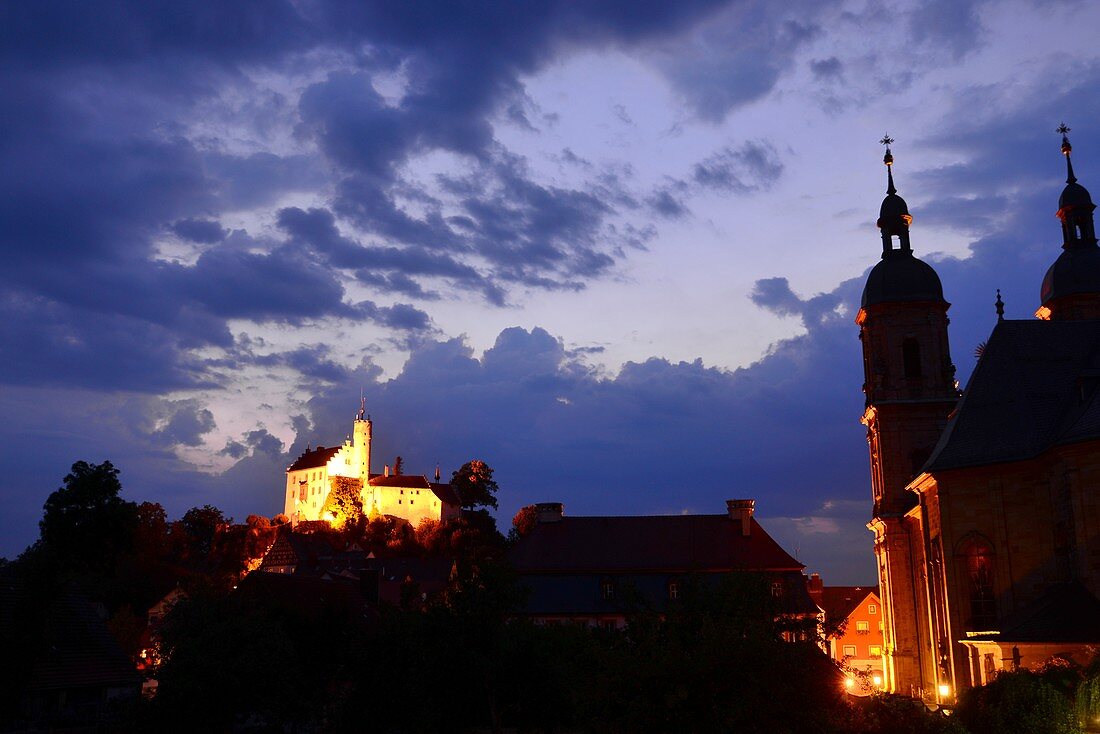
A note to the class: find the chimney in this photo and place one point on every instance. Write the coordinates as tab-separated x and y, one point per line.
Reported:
816	588
741	510
549	512
386	472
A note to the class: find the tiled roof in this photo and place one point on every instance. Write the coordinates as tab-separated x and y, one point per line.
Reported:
314	459
1035	387
679	543
80	651
445	493
840	601
409	481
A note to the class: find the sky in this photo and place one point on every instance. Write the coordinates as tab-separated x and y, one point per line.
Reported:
613	249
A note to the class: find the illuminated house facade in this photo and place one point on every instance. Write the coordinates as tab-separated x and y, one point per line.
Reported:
986	504
856	611
311	478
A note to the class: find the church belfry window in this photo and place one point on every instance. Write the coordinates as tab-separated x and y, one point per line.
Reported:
910	356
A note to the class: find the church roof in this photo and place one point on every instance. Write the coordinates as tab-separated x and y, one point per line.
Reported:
314	459
1034	388
900	277
680	543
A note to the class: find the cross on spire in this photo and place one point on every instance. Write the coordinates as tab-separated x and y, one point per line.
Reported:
1064	129
888	159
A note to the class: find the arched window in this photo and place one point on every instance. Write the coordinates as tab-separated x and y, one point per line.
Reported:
976	566
910	357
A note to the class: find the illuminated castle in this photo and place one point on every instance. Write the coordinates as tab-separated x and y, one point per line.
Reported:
986	503
314	475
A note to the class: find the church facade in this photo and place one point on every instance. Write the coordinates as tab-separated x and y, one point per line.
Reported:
986	503
317	472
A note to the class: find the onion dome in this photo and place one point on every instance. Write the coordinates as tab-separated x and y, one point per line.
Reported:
899	276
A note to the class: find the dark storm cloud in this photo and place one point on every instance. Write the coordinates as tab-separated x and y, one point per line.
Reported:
202	231
752	166
185	423
827	69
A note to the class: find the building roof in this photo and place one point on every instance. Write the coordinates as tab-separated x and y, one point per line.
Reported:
1065	613
679	543
445	493
314	459
1034	388
408	481
900	277
840	601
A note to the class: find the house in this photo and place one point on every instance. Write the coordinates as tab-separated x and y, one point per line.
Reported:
986	504
590	570
854	627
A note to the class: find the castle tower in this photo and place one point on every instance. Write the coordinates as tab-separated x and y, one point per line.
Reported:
363	432
910	388
1071	287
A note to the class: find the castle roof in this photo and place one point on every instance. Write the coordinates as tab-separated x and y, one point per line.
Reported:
1035	387
408	481
675	543
445	493
314	459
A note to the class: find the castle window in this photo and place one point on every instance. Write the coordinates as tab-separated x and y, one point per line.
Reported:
910	357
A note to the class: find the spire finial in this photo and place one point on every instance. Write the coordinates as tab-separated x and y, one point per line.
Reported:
362	406
1066	150
1000	306
888	159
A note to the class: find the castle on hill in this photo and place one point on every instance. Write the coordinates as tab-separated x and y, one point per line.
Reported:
318	472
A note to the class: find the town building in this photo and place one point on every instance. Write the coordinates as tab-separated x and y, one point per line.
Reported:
595	570
313	476
985	503
853	628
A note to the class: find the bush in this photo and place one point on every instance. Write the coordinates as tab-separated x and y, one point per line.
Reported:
1019	702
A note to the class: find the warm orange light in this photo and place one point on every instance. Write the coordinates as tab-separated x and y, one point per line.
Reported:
908	219
945	690
848	683
877	679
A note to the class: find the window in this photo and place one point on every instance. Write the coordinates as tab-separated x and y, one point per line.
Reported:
872	609
673	589
607	589
777	588
412	502
875	651
910	357
849	651
863	628
976	557
881	626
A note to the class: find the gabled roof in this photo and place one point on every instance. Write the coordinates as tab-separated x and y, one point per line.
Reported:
1035	387
840	601
408	481
314	459
680	543
445	493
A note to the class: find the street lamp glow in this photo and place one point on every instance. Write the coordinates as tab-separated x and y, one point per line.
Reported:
877	679
945	690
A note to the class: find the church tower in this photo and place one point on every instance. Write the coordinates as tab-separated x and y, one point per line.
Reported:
1071	287
910	389
362	434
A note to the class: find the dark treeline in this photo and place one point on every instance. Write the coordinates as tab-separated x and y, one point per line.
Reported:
265	652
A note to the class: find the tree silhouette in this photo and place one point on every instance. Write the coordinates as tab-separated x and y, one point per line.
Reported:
474	484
